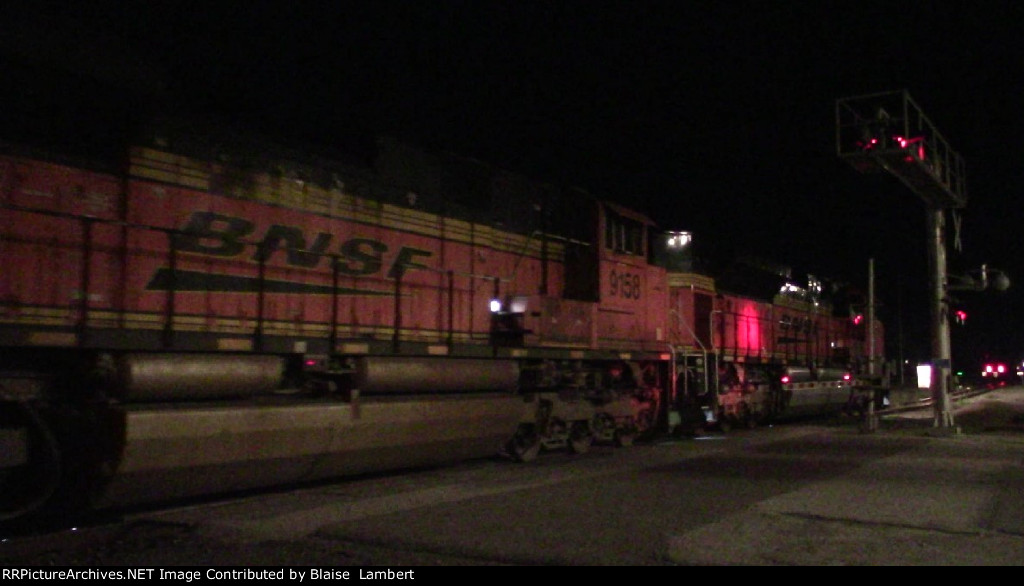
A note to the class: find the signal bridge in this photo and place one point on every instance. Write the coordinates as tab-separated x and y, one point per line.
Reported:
888	132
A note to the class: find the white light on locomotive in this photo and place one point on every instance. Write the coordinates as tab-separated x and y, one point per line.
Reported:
495	305
518	304
679	239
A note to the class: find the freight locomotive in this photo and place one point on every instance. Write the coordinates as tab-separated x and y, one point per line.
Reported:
213	314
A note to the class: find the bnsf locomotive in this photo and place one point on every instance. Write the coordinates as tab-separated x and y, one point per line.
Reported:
206	317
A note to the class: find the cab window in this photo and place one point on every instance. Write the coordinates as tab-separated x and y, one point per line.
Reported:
623	235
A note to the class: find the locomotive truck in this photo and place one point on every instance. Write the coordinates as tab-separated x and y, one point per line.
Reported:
211	313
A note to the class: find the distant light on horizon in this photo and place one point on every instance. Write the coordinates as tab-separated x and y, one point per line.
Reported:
994	369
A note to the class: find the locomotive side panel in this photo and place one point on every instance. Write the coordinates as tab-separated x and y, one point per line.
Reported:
46	280
744	328
656	304
443	271
188	260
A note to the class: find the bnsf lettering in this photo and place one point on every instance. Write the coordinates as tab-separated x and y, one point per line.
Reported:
404	261
219	235
362	256
224	231
291	240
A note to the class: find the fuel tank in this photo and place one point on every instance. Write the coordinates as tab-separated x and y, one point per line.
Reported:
161	377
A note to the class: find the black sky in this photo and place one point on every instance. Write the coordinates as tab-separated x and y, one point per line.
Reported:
716	117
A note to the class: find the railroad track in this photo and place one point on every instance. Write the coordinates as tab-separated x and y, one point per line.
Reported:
963	393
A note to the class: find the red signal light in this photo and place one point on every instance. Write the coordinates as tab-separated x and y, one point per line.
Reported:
994	370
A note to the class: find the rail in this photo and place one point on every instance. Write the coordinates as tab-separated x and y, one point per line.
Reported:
927	402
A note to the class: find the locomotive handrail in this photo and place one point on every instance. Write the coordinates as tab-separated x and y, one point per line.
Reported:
82	325
703	348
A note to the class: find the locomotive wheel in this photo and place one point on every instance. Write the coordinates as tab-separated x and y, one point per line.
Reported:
580	438
624	438
25	490
749	419
725	424
525	446
645	419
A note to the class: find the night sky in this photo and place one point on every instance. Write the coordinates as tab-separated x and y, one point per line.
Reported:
716	117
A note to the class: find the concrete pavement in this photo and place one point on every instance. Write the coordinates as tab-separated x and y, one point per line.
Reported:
955	500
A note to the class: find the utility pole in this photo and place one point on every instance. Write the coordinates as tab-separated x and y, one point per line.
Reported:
899	332
872	362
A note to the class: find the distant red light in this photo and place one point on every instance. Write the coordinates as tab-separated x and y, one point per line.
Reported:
994	370
870	144
847	376
785	380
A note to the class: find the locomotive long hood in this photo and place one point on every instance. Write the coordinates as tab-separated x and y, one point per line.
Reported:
751	282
